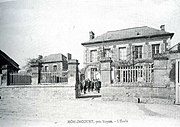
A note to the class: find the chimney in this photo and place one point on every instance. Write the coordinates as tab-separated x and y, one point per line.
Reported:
91	35
162	27
69	56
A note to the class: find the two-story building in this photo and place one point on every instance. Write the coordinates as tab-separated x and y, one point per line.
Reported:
131	52
52	68
54	63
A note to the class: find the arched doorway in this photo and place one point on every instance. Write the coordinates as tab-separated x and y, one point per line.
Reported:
90	82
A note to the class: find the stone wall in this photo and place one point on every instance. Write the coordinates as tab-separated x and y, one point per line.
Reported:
161	95
39	92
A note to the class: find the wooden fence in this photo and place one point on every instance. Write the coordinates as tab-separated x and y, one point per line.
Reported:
53	77
135	74
20	79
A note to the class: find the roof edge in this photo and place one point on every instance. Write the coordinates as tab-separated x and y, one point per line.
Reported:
123	39
9	59
126	29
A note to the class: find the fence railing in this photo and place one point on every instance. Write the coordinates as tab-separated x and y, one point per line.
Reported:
20	79
53	77
135	74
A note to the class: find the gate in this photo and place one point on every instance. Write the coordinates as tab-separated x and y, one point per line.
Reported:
53	77
177	81
20	79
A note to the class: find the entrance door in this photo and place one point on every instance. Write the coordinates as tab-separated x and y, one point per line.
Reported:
177	81
93	73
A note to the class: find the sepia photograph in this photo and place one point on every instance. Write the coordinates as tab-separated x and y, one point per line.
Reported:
89	63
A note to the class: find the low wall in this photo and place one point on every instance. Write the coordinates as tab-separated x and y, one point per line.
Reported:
159	95
39	92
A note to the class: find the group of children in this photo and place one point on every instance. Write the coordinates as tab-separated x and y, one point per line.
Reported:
88	85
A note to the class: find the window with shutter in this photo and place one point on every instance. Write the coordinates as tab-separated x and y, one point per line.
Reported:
107	52
93	55
155	49
138	52
46	68
122	53
55	68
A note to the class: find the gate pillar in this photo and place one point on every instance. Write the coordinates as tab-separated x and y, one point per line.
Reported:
73	76
106	71
36	73
5	75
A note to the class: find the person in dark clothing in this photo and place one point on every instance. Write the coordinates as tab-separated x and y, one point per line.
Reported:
98	85
85	86
81	86
92	85
89	85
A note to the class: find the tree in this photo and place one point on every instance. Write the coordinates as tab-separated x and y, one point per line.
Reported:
31	61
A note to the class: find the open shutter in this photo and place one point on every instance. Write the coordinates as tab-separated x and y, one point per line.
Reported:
85	55
162	46
128	52
131	52
115	53
98	54
145	51
150	51
88	55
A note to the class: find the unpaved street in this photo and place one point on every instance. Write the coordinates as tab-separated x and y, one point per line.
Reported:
85	112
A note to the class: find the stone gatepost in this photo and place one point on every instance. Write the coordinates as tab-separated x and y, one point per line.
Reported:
73	76
161	73
106	71
36	73
5	79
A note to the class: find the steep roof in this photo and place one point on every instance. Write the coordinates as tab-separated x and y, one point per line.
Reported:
127	34
53	58
5	59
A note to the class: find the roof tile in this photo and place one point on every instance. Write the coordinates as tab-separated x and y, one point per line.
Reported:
134	32
53	58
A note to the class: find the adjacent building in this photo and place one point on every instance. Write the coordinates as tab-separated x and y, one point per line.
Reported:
52	68
7	67
54	63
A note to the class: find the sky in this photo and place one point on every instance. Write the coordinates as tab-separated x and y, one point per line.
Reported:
29	28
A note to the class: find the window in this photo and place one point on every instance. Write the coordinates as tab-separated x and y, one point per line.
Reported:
93	56
107	52
138	52
46	68
55	68
122	53
155	49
